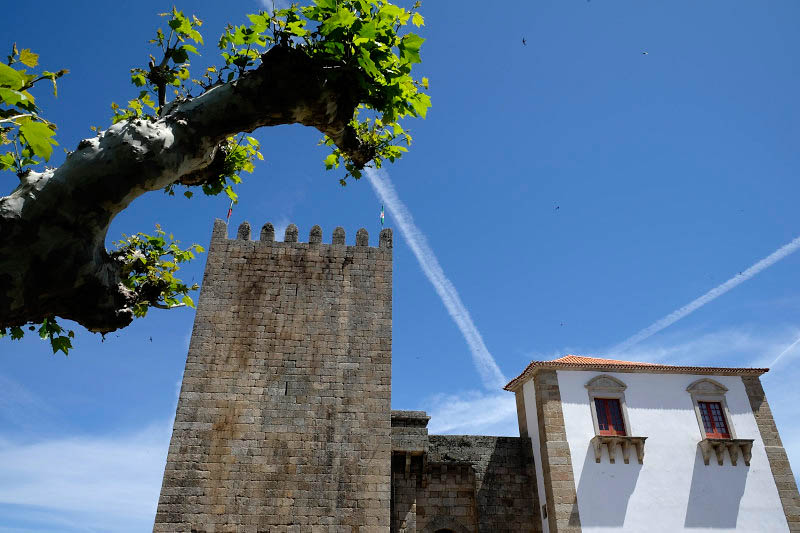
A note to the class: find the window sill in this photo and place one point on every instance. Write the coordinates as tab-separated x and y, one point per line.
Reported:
612	441
734	446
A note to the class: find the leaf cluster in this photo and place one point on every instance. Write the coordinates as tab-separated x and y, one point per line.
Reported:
362	40
240	154
366	37
23	129
171	70
148	266
49	330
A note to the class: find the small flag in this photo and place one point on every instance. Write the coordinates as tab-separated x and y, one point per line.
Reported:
230	211
382	215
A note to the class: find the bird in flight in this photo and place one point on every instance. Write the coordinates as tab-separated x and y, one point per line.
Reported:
644	53
524	42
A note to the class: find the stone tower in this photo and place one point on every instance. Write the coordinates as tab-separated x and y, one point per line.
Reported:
284	417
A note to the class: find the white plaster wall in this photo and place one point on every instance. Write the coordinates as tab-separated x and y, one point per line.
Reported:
673	490
529	397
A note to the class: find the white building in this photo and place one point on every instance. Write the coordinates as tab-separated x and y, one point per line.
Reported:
637	447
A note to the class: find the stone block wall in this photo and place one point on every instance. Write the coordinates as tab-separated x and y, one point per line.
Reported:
466	484
283	421
559	479
776	454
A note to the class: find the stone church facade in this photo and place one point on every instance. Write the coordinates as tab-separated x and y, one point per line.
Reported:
284	421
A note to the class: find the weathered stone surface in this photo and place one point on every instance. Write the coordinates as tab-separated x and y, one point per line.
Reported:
559	482
466	484
283	422
409	431
776	454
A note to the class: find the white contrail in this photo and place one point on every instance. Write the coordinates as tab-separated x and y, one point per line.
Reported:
711	295
485	363
788	348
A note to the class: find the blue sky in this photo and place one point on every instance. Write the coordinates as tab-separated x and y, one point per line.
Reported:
574	190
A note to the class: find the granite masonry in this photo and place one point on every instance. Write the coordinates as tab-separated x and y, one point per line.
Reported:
284	417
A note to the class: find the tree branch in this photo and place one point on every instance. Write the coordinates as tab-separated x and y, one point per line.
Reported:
53	227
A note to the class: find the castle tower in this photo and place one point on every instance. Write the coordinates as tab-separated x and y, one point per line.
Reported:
284	417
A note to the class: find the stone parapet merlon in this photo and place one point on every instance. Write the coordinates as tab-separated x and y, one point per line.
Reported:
410	432
267	235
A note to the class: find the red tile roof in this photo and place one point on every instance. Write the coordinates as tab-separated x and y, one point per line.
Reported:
583	360
580	362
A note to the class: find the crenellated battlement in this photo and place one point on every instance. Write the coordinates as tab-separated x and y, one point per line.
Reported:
267	235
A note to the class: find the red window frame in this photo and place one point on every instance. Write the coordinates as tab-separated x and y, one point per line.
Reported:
714	423
609	416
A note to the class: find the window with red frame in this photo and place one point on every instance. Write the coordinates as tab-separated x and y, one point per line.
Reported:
609	416
714	420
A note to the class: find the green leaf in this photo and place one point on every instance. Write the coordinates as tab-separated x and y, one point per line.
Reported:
232	195
17	333
179	55
368	30
195	36
409	47
392	11
366	62
187	300
10	78
7	161
63	344
28	58
139	80
259	22
296	28
421	102
16	98
417	20
191	48
39	137
331	161
343	18
326	4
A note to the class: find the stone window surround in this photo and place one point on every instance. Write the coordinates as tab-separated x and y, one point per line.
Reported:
605	386
709	390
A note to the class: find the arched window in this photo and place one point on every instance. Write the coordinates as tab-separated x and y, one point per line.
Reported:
607	403
708	397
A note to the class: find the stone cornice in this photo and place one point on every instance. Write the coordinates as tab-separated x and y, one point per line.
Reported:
536	366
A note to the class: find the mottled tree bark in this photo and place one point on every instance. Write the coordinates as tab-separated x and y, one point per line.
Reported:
53	260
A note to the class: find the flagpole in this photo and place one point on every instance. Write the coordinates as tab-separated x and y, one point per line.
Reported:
230	210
